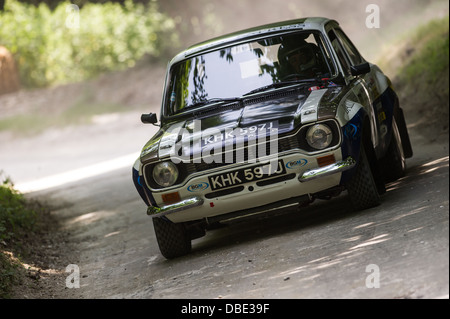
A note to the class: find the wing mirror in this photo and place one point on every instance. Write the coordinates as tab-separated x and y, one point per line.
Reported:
360	69
149	118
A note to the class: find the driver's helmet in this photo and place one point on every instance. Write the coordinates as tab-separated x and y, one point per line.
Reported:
297	55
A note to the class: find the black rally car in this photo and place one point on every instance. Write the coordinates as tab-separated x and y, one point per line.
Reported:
278	114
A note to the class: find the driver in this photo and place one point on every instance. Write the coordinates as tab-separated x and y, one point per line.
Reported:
297	58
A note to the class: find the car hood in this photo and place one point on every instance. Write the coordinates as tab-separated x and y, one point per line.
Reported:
270	114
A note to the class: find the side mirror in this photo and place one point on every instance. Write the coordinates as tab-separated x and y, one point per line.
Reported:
360	69
149	118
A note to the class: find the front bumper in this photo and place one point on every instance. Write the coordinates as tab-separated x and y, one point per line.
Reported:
313	177
334	168
175	207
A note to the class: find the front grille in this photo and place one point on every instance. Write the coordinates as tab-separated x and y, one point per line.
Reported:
248	153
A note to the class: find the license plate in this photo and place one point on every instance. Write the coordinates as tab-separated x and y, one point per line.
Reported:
245	175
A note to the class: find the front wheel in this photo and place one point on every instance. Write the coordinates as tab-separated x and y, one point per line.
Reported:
173	238
362	188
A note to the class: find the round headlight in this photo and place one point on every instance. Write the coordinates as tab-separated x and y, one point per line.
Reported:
165	174
319	136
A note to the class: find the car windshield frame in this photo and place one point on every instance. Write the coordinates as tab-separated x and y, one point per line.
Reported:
232	72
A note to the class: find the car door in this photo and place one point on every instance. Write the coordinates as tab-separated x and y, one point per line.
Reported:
360	85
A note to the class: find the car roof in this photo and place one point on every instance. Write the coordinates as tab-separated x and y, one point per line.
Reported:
309	23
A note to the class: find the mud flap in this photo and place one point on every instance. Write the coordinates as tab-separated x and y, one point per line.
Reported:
403	130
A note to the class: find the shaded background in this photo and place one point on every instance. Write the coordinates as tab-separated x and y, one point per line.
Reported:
197	20
139	37
200	19
115	61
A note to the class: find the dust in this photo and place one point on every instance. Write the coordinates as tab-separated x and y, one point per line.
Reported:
202	19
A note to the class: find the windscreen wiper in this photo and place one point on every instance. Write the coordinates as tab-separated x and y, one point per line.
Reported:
281	84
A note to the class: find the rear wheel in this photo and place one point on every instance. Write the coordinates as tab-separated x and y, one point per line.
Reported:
362	187
173	238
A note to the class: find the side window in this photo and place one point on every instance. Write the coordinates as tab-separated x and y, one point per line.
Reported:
325	55
353	53
340	52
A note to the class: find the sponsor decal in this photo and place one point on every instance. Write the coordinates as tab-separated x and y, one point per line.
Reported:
350	130
296	163
381	116
198	187
347	110
315	88
311	104
331	84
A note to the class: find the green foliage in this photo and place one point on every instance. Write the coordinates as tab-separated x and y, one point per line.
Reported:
431	56
422	79
69	44
8	275
15	216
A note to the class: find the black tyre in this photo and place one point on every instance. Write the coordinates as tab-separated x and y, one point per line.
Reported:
395	161
173	239
362	188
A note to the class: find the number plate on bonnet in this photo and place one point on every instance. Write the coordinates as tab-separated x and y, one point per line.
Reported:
245	175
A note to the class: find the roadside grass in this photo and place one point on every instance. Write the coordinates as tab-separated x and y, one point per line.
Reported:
15	215
431	56
33	248
17	218
421	54
8	274
423	80
418	65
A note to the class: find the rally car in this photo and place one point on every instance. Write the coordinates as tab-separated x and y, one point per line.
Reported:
274	115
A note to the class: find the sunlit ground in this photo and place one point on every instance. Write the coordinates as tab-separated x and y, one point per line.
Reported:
77	174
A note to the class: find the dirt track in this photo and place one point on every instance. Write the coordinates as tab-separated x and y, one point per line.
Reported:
318	252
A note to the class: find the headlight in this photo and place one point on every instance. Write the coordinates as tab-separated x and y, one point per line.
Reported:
319	136
165	174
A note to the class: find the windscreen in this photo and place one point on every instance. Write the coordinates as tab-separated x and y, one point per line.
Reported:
235	71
